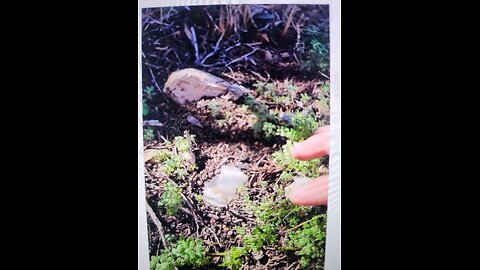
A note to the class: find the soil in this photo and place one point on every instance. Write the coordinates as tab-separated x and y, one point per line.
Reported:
226	134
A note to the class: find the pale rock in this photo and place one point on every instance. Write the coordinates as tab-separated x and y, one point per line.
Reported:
222	189
188	85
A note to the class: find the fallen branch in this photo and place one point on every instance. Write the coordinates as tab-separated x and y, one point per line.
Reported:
157	223
324	75
215	49
195	218
298	29
289	20
234	46
303	223
158	87
242	57
193	38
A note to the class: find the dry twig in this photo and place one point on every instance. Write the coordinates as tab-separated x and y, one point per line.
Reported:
157	223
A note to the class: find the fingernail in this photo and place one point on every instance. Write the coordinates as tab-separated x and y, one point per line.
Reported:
295	195
297	183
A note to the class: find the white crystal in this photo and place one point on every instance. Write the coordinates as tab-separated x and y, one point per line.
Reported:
222	189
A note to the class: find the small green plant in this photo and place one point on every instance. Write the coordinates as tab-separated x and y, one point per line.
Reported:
179	160
233	257
145	110
305	98
183	144
269	129
270	92
317	57
148	134
325	87
198	197
281	99
314	50
185	253
308	242
264	234
215	108
171	198
302	126
299	126
261	112
292	167
148	93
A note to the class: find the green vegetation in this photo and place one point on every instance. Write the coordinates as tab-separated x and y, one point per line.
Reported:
178	160
148	134
233	257
296	229
215	108
187	253
299	126
171	198
148	94
314	50
277	214
293	167
305	98
308	242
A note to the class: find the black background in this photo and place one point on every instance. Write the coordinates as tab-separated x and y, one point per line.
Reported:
74	125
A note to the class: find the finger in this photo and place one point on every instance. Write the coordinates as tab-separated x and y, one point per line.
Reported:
315	192
322	129
314	147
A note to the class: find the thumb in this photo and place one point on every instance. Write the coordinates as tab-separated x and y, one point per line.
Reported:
314	192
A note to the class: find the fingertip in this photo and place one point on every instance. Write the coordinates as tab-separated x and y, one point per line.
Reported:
314	147
315	192
296	150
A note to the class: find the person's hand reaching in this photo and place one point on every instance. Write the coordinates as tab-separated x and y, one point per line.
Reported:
315	192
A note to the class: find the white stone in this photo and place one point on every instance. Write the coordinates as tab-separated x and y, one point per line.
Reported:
189	84
222	189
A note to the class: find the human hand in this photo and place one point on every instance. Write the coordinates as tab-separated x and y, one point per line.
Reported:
315	192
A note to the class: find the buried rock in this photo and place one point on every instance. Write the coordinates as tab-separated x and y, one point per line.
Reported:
222	189
188	85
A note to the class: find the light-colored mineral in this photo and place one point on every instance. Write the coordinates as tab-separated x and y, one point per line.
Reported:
222	189
188	85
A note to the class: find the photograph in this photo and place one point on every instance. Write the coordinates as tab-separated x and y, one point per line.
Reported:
235	123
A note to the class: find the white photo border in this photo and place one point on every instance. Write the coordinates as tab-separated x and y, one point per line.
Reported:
333	244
